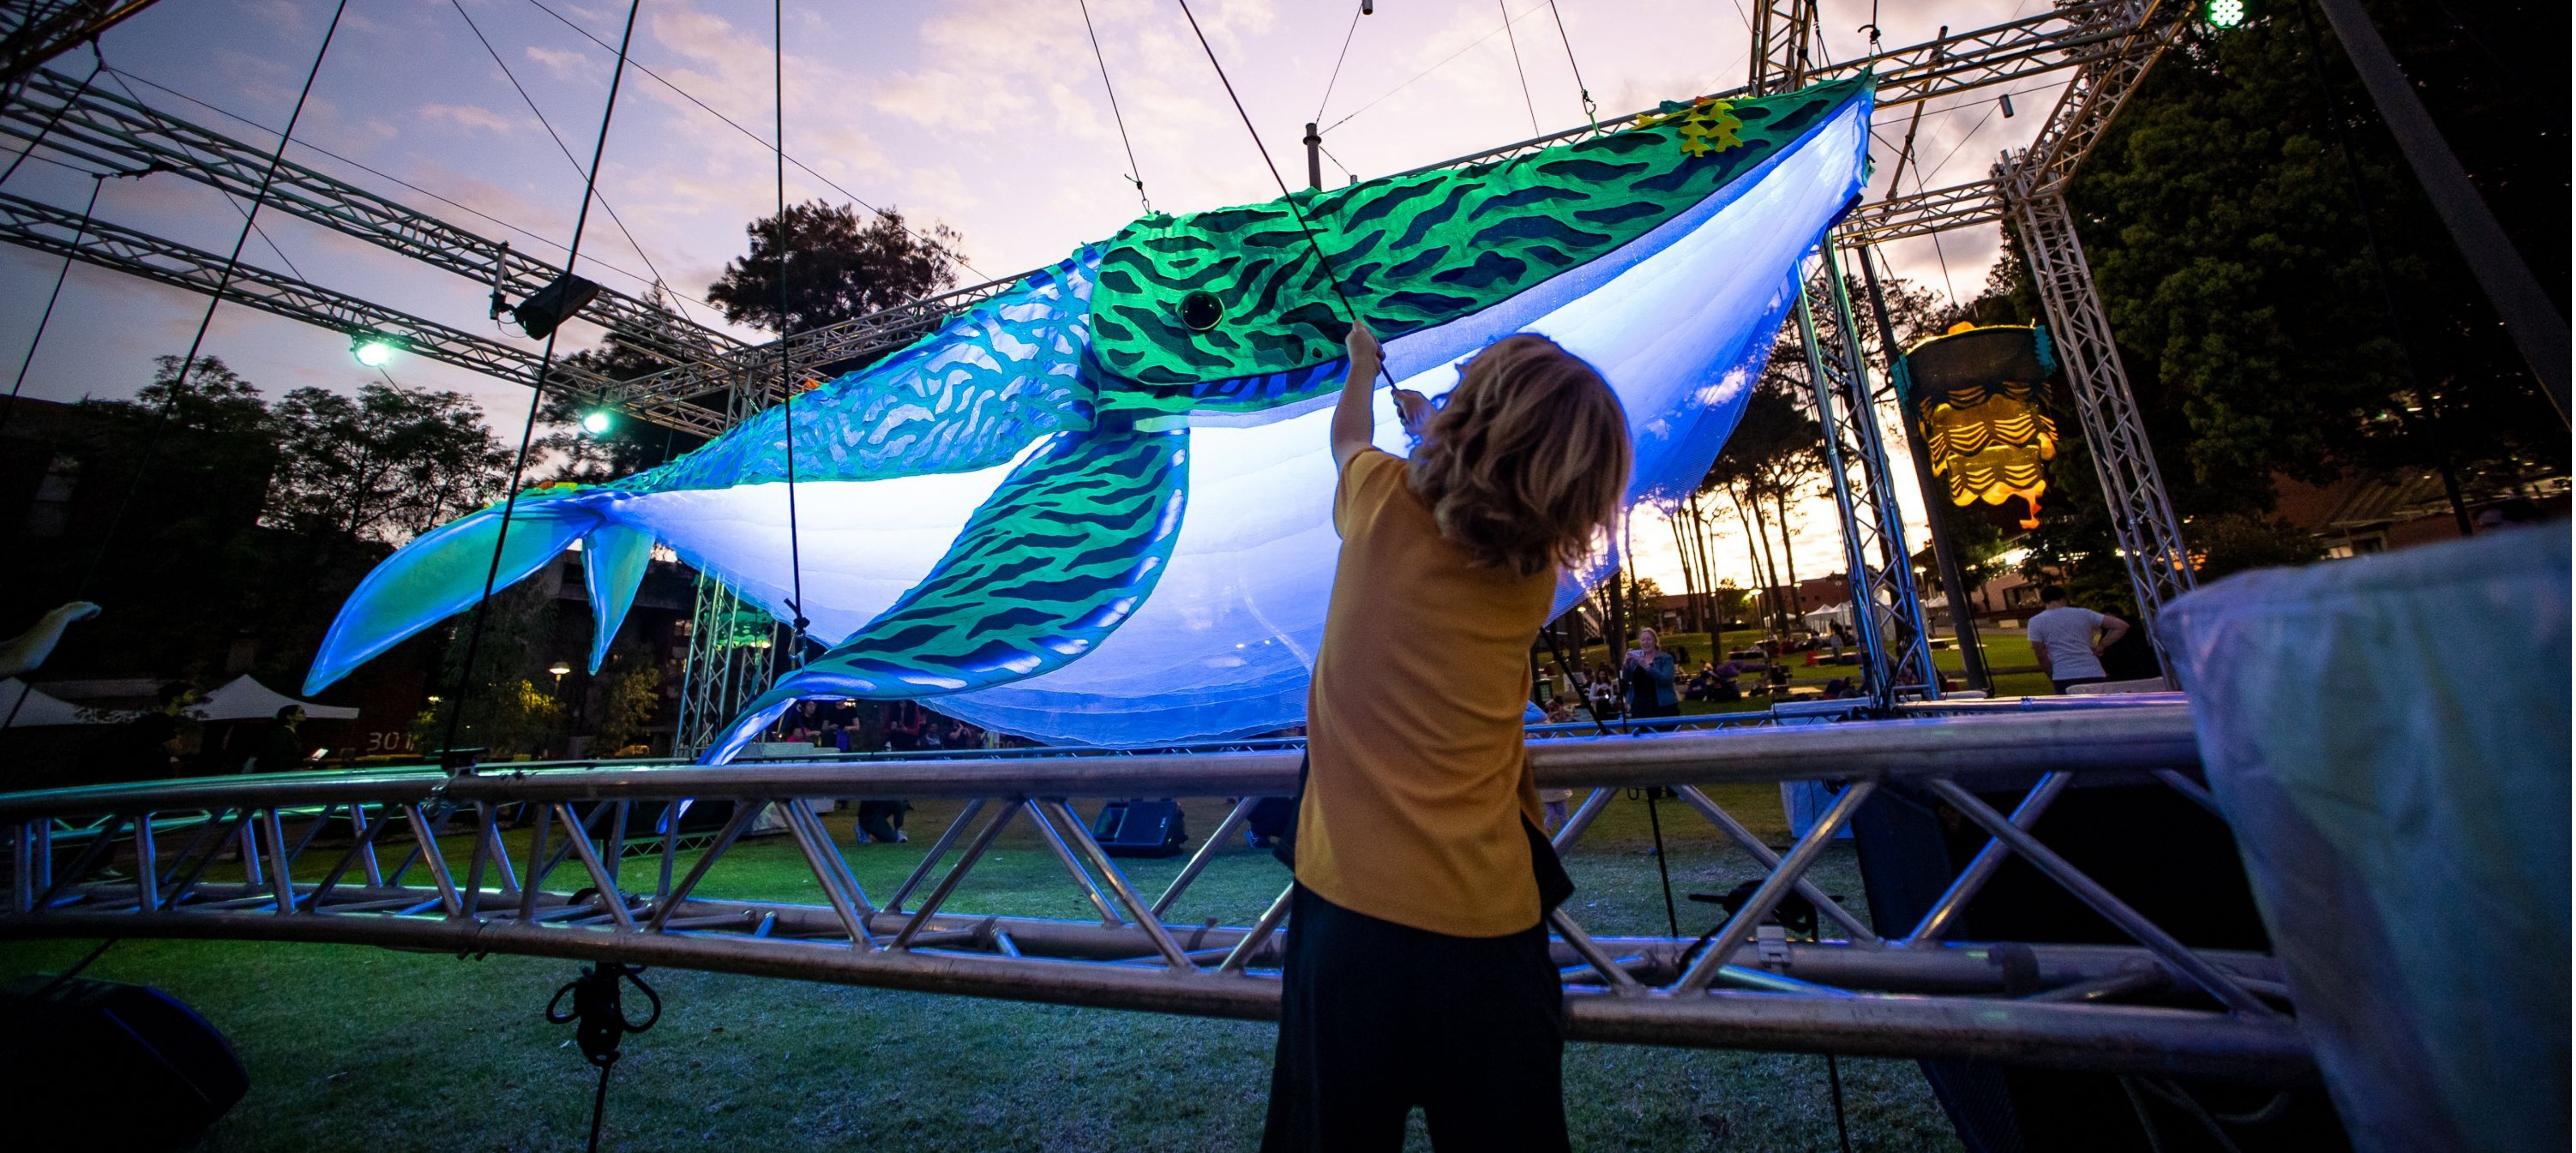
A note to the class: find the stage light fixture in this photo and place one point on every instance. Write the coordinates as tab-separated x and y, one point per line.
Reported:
552	305
372	350
2226	13
596	422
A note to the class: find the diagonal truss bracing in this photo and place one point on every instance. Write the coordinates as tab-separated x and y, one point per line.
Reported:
2157	1006
45	228
715	379
2133	486
1894	642
107	132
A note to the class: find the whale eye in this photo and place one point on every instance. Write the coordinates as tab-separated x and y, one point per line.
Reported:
1201	311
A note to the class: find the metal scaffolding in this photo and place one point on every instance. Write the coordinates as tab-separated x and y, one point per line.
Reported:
1895	644
2033	184
46	228
732	658
2133	489
2156	1006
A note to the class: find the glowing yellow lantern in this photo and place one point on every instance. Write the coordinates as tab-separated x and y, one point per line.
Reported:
1978	396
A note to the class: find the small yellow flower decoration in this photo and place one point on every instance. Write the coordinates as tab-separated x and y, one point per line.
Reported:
1705	125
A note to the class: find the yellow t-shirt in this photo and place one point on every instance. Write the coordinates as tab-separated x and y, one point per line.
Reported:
1416	778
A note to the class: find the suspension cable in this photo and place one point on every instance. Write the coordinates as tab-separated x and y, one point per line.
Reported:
736	125
537	393
214	300
57	117
1330	277
37	341
1591	111
569	158
1513	38
787	390
1344	54
116	77
1443	62
121	76
1135	171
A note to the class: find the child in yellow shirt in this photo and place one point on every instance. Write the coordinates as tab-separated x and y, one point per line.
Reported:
1417	958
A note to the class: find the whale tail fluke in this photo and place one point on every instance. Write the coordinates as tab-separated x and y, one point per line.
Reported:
442	572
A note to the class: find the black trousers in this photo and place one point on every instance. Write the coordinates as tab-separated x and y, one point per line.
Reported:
1377	1018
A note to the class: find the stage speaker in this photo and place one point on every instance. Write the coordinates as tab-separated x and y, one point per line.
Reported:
1141	829
110	1066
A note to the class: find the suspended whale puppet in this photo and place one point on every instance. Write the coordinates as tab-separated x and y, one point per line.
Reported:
1097	508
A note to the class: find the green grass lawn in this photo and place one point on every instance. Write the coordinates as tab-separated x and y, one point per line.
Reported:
2004	650
362	1048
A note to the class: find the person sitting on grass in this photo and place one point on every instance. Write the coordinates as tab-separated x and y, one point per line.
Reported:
1417	968
1724	684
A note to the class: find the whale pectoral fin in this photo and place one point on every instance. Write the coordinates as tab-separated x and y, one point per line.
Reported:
755	719
613	560
1061	555
442	572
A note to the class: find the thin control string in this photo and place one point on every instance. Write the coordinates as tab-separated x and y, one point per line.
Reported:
537	391
1331	277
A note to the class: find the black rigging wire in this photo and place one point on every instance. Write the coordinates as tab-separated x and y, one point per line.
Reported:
37	341
787	405
57	117
229	201
1337	162
121	75
537	393
1443	62
1330	277
561	147
1513	39
34	343
1591	111
1135	171
736	125
1344	54
214	300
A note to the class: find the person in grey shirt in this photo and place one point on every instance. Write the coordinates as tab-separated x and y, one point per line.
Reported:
2069	641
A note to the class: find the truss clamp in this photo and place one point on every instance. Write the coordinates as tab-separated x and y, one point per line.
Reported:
1772	943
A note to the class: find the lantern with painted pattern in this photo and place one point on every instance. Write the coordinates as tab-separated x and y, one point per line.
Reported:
1978	396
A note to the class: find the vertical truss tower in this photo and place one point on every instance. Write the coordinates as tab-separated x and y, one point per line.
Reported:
1894	642
2133	489
732	658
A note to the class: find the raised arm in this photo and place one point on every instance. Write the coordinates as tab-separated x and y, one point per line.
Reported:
1355	415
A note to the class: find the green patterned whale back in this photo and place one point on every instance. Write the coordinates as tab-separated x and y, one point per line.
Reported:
1412	251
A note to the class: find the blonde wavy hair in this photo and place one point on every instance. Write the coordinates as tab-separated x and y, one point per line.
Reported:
1526	464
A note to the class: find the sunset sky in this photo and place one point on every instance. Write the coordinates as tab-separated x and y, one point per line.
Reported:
986	115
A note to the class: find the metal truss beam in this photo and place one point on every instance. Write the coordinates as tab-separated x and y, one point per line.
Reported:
1784	41
2068	36
750	375
45	228
103	131
727	666
2078	35
2207	1013
1895	645
2133	486
1924	213
40	30
2134	35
